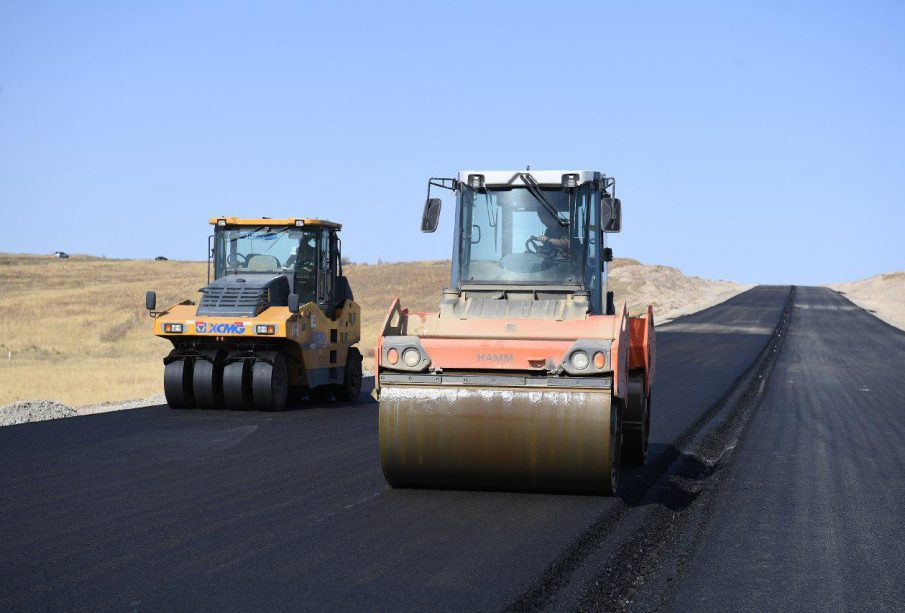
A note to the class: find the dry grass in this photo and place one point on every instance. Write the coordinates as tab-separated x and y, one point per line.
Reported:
78	332
376	286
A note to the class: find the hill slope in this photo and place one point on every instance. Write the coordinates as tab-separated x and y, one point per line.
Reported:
76	330
882	295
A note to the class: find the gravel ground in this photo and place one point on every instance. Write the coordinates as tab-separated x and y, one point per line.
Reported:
26	411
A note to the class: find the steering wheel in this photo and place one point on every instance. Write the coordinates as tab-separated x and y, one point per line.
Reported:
536	246
232	260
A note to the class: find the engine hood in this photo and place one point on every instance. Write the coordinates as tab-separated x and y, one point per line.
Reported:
243	295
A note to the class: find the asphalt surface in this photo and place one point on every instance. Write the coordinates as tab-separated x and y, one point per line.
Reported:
154	508
810	515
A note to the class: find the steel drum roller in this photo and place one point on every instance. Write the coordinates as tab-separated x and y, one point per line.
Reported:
511	438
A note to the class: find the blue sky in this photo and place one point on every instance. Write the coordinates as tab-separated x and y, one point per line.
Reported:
758	142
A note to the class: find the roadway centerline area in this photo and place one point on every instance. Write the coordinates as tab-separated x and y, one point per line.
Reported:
155	508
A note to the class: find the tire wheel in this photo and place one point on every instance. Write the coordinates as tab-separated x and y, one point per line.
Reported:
270	383
237	386
207	380
321	393
615	446
636	438
177	384
350	388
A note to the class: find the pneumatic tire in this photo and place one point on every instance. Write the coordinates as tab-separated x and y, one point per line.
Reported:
270	383
207	380
177	384
350	388
237	385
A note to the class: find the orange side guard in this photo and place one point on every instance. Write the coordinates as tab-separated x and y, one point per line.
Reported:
392	326
644	346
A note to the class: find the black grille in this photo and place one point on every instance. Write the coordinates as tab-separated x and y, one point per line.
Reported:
238	296
232	301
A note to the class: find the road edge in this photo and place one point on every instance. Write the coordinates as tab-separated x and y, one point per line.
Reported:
664	505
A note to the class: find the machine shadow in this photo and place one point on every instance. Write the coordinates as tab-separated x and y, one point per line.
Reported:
673	479
364	398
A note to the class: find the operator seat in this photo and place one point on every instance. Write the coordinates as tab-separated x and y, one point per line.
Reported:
259	262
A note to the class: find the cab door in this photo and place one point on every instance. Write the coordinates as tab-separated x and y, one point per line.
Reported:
326	277
324	330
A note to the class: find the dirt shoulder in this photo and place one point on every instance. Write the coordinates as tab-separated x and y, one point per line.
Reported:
883	295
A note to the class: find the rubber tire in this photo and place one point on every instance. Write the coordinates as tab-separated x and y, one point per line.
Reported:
350	388
177	384
616	435
207	381
321	393
635	444
237	386
270	383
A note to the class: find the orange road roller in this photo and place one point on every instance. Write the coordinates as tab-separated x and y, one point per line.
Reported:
529	377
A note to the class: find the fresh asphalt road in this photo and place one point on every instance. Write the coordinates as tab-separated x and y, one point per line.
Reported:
154	508
810	515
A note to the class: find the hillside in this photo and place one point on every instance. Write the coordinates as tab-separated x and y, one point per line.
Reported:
882	295
76	331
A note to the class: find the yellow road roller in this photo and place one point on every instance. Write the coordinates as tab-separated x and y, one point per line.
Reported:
277	321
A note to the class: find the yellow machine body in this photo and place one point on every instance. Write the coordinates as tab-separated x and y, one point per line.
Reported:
251	342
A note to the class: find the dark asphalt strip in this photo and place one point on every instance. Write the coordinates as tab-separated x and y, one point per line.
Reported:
161	509
810	515
630	556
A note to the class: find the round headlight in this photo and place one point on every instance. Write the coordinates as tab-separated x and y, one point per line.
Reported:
580	360
411	357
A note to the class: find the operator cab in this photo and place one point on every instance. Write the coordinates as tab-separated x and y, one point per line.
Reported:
304	252
530	234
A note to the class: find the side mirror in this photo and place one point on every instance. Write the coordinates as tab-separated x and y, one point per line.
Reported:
611	214
293	303
150	300
431	216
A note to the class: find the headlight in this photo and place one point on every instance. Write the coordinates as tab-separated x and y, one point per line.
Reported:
265	329
172	328
587	357
404	353
599	360
411	357
580	360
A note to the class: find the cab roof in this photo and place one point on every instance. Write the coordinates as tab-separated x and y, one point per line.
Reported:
543	177
273	221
